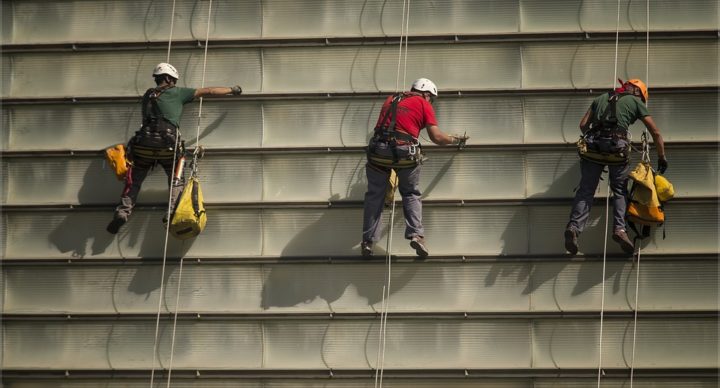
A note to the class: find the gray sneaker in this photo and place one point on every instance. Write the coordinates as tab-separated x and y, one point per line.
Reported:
366	248
621	237
418	243
571	243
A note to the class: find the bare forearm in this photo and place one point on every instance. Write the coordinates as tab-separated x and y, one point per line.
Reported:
212	91
655	133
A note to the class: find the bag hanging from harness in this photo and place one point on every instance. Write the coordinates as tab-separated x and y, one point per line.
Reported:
605	142
189	217
644	207
405	158
647	196
115	157
156	132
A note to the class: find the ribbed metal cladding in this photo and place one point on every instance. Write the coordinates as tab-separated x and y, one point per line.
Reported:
312	176
367	68
277	232
340	122
274	293
394	382
352	344
142	21
501	287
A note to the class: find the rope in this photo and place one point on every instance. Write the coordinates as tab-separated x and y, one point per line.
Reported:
172	24
176	177
194	172
645	157
384	306
167	226
607	214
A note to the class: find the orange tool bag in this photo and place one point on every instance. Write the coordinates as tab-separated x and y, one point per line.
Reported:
115	156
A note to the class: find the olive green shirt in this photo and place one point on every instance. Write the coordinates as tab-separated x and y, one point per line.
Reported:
171	103
629	109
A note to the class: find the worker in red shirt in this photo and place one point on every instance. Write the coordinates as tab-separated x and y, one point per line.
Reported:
395	146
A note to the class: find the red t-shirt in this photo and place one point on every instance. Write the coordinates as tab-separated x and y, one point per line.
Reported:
413	114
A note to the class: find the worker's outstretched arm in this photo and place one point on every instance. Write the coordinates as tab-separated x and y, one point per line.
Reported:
218	91
658	140
441	138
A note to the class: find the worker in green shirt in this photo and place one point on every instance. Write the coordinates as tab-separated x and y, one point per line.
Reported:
605	132
158	139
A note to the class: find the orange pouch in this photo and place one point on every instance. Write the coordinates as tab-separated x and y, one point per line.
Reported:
115	156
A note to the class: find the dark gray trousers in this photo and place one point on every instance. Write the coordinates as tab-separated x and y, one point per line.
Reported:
408	185
586	192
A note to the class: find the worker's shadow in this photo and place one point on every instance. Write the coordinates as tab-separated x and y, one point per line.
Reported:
287	285
533	273
77	229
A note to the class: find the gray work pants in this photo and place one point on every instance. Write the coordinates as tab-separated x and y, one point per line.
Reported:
586	192
408	185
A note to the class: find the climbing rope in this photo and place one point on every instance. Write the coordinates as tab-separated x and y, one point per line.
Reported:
167	226
194	165
607	215
385	302
172	24
646	158
176	179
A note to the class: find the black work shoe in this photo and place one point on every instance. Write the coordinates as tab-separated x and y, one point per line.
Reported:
366	248
418	243
571	243
114	225
621	237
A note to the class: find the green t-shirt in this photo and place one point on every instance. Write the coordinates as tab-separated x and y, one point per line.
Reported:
629	109
171	103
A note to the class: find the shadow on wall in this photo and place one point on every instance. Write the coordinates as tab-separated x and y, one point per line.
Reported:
282	289
75	232
530	273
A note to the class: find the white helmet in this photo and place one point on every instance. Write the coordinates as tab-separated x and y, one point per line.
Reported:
425	85
166	68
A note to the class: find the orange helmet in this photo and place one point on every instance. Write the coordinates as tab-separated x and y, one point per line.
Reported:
643	89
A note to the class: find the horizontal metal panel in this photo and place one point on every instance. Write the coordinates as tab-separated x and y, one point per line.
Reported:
343	122
469	230
467	175
144	20
126	73
588	64
598	15
394	382
353	344
677	285
366	68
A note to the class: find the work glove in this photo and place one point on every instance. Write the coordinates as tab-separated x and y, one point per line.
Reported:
662	165
236	90
459	140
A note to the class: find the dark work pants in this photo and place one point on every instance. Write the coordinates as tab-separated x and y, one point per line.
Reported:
134	180
408	185
586	192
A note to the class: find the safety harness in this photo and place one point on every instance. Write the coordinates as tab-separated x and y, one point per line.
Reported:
388	134
600	143
156	137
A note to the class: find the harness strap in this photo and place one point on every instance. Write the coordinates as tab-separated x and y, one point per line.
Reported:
152	153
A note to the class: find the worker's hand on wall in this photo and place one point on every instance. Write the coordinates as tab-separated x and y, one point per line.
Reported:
236	90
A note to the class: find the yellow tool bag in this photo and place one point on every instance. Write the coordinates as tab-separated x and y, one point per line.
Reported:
115	156
189	218
644	207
